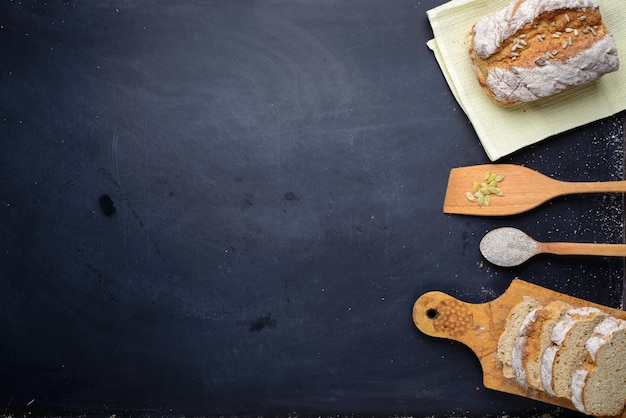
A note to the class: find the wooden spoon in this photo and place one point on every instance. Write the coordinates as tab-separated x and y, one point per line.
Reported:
508	247
522	189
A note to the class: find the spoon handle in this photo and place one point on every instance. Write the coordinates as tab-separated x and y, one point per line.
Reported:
574	248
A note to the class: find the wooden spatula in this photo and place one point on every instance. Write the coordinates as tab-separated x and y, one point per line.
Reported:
521	189
479	327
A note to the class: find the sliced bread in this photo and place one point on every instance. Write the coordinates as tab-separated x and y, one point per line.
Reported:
519	346
511	332
599	385
570	335
539	338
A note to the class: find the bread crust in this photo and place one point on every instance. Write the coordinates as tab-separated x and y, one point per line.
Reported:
536	48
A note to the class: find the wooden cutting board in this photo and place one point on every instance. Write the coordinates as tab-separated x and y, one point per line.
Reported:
479	327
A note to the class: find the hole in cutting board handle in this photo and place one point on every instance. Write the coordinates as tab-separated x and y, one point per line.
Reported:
432	313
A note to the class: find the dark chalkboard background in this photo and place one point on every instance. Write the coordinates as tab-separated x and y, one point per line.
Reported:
229	207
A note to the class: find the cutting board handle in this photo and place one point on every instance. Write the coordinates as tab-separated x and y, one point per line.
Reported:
440	315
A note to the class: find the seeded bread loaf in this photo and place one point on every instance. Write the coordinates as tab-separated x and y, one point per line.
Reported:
536	48
511	332
599	385
570	335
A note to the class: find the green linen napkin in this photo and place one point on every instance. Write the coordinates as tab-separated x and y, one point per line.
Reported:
502	130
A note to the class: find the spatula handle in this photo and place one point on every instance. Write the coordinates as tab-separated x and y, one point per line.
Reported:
594	187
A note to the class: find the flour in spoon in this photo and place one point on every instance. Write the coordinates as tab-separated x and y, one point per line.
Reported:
508	247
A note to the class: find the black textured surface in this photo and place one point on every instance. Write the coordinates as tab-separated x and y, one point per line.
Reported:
229	207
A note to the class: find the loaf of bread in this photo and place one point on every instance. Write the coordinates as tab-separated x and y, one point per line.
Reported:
574	353
536	48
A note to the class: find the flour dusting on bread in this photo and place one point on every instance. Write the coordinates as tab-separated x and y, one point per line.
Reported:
536	48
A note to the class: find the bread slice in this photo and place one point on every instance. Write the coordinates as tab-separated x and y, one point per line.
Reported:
599	385
511	332
570	335
519	346
539	338
531	49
